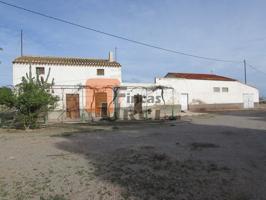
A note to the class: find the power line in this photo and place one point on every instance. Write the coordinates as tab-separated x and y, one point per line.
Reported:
256	69
115	36
124	38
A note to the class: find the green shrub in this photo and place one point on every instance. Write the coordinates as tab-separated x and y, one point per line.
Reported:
31	98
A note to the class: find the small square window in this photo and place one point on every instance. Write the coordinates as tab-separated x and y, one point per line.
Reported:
100	72
216	89
40	70
225	89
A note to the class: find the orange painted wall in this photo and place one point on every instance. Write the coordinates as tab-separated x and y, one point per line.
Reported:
100	85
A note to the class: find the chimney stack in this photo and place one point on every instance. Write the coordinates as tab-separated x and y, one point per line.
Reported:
111	57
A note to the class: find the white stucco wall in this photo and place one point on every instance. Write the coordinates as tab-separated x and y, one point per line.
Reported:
202	90
66	74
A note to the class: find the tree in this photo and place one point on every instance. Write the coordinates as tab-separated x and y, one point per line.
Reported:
32	98
7	97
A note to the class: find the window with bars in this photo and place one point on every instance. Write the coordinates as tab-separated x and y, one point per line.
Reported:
216	89
225	89
100	72
40	70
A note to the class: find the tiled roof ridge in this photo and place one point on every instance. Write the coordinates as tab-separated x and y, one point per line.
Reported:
198	76
66	61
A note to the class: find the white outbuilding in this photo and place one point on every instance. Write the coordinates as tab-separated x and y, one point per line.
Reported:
203	92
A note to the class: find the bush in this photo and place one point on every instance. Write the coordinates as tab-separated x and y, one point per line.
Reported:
31	98
7	97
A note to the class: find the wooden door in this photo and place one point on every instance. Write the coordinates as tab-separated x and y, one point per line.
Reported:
137	103
104	110
72	106
101	104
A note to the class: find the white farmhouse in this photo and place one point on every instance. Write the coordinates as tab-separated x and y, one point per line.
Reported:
83	85
90	89
67	71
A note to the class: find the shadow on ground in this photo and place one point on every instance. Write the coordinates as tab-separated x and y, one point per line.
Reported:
182	161
251	114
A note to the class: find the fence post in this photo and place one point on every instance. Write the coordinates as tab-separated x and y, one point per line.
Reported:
63	105
82	104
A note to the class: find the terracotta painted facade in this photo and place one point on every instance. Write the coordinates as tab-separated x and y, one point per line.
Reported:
99	92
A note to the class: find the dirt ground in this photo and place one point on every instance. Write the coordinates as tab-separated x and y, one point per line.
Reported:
208	157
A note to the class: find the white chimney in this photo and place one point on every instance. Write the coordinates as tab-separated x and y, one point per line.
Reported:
111	57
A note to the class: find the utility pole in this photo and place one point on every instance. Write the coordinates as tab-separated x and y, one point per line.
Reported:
245	71
1	49
21	43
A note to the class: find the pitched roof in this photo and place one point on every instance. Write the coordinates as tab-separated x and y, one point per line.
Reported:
198	76
65	61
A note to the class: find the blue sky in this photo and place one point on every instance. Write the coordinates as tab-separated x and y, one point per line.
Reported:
224	29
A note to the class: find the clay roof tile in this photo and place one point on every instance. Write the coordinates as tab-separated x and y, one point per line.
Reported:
65	61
